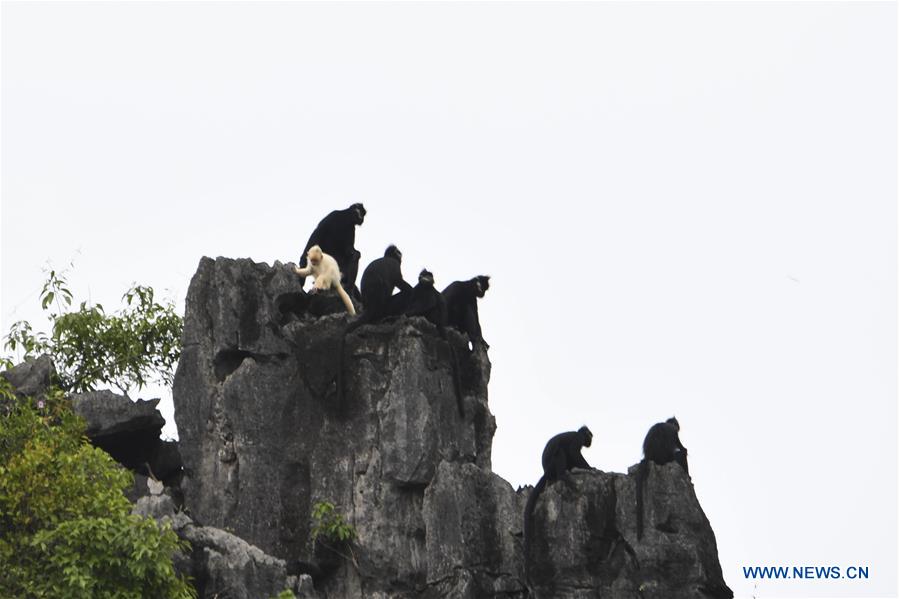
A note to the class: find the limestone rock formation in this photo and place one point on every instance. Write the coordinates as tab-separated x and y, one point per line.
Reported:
221	564
585	543
473	522
107	414
265	437
129	431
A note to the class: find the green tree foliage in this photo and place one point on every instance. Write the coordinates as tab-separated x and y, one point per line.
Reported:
331	534
330	525
67	527
128	348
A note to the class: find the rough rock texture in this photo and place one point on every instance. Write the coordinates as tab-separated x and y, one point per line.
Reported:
584	540
264	437
221	564
472	523
139	488
129	432
32	377
108	413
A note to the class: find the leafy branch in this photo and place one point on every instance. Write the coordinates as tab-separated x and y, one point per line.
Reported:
330	525
136	345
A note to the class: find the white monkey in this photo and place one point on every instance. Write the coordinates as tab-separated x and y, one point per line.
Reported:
326	273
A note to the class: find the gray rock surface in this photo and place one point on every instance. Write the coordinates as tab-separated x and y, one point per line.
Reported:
139	488
32	377
108	413
221	564
264	437
472	527
584	540
129	432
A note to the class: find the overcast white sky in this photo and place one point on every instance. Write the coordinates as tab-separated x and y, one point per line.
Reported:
686	209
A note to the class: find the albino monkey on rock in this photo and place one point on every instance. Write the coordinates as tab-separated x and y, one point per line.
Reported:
326	273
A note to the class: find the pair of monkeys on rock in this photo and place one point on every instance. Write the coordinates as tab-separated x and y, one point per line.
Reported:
563	453
333	261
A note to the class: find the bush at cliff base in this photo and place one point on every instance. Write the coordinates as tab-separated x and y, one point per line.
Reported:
67	528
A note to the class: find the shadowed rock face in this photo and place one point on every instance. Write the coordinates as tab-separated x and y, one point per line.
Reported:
129	432
264	437
585	542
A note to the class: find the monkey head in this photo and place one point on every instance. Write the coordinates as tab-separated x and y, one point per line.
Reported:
586	436
482	284
359	211
393	252
673	422
314	255
426	277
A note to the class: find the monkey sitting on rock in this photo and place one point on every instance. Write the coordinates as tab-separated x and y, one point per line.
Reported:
561	454
661	445
379	280
429	303
462	307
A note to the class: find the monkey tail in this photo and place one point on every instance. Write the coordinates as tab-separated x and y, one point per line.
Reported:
681	458
342	351
457	382
529	526
642	472
346	299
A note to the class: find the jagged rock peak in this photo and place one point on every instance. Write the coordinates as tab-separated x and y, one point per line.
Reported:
264	437
585	540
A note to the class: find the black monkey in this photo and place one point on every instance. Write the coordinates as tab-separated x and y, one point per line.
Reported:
561	454
336	236
429	303
662	445
378	301
462	306
378	282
